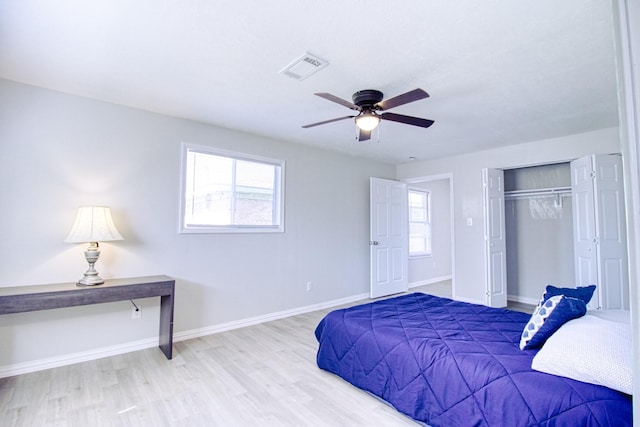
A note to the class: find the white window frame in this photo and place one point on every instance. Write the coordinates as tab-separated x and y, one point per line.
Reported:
279	192
427	222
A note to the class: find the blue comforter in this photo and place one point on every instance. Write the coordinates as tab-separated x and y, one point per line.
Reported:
449	363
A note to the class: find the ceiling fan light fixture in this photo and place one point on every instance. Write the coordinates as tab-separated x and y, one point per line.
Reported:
367	121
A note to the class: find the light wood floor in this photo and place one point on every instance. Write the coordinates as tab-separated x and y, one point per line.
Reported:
263	375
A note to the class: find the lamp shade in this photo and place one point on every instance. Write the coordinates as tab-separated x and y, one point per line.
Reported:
367	121
93	224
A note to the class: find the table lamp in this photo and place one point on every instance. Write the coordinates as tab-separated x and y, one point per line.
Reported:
93	224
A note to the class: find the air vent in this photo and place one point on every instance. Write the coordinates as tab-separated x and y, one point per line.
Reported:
304	66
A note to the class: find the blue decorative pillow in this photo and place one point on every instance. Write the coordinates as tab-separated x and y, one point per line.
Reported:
585	293
547	318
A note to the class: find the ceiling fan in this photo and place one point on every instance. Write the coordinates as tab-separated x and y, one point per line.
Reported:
368	102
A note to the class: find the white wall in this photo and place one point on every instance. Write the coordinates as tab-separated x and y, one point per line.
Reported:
539	250
437	266
58	152
466	172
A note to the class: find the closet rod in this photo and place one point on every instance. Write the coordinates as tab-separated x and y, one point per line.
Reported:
537	192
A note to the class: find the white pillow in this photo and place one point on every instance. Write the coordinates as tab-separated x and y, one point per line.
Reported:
590	349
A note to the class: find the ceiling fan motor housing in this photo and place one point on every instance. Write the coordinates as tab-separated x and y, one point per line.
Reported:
367	97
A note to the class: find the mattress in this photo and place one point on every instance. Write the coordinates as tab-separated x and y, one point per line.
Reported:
449	363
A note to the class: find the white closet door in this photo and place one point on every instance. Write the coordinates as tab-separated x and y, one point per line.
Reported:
584	228
611	231
600	229
494	235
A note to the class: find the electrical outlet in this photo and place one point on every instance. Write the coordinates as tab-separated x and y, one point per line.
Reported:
309	286
136	312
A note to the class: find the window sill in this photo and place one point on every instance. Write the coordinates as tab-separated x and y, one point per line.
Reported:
232	230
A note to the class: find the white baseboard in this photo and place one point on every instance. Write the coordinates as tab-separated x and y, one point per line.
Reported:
70	359
523	300
236	324
515	298
471	301
429	281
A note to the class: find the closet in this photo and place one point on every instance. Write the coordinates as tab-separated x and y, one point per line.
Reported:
538	230
564	225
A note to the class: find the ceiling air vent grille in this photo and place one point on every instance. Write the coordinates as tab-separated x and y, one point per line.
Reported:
304	66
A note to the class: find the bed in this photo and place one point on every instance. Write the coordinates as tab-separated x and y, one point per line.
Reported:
449	363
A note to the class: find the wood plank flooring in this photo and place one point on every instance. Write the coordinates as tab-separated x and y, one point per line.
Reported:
263	375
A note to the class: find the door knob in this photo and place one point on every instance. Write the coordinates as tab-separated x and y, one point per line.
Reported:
373	242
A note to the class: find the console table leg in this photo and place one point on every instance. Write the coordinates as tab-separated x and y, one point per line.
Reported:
166	325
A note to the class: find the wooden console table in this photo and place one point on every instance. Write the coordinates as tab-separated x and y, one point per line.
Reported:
20	299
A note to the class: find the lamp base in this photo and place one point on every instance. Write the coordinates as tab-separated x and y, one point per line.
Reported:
91	277
90	280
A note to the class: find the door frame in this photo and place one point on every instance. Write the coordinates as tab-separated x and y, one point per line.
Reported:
626	26
436	177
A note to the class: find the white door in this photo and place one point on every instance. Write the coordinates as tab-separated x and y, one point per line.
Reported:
389	241
600	229
584	224
612	232
494	236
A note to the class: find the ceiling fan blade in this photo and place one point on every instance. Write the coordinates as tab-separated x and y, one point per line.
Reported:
327	121
364	135
340	101
408	120
405	98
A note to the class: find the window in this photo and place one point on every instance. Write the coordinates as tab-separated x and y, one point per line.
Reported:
230	192
419	223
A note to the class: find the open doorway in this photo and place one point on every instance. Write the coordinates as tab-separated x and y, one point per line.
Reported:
539	230
436	267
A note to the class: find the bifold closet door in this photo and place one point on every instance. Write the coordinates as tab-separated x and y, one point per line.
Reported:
495	240
600	229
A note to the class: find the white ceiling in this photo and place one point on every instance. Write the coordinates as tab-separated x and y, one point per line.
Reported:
498	71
